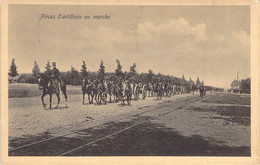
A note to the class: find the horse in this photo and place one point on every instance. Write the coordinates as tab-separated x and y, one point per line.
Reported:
47	86
95	90
164	85
87	87
126	93
136	91
202	91
150	89
159	90
182	89
110	90
115	91
144	91
132	87
193	88
174	87
102	93
169	90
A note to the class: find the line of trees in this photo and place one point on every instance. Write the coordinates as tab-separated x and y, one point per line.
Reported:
243	86
13	69
74	77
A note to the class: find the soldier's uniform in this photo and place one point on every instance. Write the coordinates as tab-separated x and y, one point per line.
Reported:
55	77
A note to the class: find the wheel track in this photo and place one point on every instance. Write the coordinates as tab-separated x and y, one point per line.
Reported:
127	128
193	99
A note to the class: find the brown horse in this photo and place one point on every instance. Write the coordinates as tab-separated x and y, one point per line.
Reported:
115	91
159	90
126	93
102	93
87	87
47	86
110	90
150	89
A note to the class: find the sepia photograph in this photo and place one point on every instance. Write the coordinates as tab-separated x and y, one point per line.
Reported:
129	80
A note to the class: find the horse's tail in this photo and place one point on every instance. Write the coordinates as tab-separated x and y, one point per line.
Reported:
63	88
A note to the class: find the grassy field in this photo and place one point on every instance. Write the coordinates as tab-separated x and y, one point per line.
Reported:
228	98
20	90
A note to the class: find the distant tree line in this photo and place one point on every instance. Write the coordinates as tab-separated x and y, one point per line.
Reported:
74	77
243	86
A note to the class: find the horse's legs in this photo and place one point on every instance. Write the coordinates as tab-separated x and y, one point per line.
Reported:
116	97
95	95
50	100
58	96
43	94
66	99
105	98
83	98
92	97
123	100
129	99
64	92
89	98
101	98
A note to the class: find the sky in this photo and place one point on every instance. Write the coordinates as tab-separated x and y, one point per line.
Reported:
211	42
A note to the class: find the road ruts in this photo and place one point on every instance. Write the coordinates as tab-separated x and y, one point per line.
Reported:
70	142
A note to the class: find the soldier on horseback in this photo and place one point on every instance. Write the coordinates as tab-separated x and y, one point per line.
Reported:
52	85
55	77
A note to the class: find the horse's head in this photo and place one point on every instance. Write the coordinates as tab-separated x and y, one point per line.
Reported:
85	82
42	80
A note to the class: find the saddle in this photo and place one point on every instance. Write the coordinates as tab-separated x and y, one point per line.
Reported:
56	85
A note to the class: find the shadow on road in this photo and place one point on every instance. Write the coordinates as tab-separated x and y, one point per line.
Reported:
147	139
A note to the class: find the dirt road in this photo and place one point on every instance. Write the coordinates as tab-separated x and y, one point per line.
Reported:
184	125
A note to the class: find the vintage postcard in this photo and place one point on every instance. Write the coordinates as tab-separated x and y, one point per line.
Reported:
128	82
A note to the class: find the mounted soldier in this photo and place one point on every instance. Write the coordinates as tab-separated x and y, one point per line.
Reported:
55	73
52	85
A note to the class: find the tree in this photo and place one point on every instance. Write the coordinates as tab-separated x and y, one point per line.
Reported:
198	81
74	76
13	69
84	72
191	81
132	70
118	70
183	78
48	68
150	76
36	69
101	71
245	86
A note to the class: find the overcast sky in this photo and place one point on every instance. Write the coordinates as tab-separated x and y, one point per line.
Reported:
210	42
